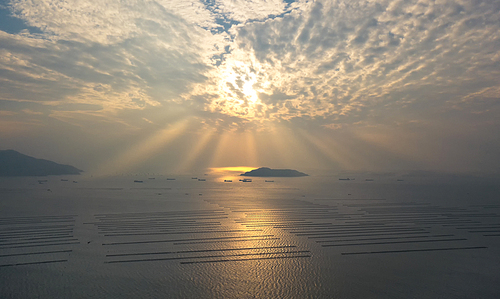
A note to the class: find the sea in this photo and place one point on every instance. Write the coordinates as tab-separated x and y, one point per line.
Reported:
214	236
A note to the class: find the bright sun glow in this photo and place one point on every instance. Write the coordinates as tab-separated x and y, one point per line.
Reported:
239	86
229	173
220	170
248	89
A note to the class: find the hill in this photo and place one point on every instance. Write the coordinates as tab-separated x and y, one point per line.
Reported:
268	172
13	163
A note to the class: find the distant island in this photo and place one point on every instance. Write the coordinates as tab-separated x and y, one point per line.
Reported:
268	172
13	163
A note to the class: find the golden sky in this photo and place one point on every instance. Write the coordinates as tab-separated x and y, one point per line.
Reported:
175	86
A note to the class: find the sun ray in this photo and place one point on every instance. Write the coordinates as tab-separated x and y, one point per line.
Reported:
279	145
292	150
397	144
219	157
330	149
196	151
235	148
142	151
251	149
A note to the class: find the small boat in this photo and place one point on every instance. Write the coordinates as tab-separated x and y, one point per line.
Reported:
344	179
201	180
137	181
247	180
268	181
170	179
228	181
64	180
194	178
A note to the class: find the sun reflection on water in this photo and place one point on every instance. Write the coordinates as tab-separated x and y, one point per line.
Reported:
229	174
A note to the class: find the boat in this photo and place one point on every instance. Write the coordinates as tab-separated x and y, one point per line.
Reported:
170	179
201	180
344	179
228	181
246	180
137	181
194	178
268	181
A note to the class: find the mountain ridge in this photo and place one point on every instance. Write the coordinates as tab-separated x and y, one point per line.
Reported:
13	163
268	172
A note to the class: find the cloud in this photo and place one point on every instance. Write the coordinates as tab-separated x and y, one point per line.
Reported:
330	60
347	68
243	10
121	56
349	58
29	111
110	22
7	113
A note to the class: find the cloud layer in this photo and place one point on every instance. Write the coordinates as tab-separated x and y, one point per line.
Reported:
378	71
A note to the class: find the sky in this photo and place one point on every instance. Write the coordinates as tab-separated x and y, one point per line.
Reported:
176	86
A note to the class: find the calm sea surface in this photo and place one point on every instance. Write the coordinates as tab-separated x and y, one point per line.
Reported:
310	237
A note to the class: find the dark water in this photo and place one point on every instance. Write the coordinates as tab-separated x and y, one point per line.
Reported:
313	237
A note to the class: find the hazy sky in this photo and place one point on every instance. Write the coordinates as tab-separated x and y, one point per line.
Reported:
177	85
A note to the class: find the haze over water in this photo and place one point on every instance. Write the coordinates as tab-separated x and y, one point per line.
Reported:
365	90
307	237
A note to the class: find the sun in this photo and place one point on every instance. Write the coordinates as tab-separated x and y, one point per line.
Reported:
239	85
248	88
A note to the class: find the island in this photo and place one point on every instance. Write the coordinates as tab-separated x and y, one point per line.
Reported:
268	172
13	163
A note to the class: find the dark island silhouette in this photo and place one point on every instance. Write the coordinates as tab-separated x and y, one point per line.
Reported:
13	163
268	172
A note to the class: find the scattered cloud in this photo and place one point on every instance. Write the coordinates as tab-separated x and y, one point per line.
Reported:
425	67
7	113
29	111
